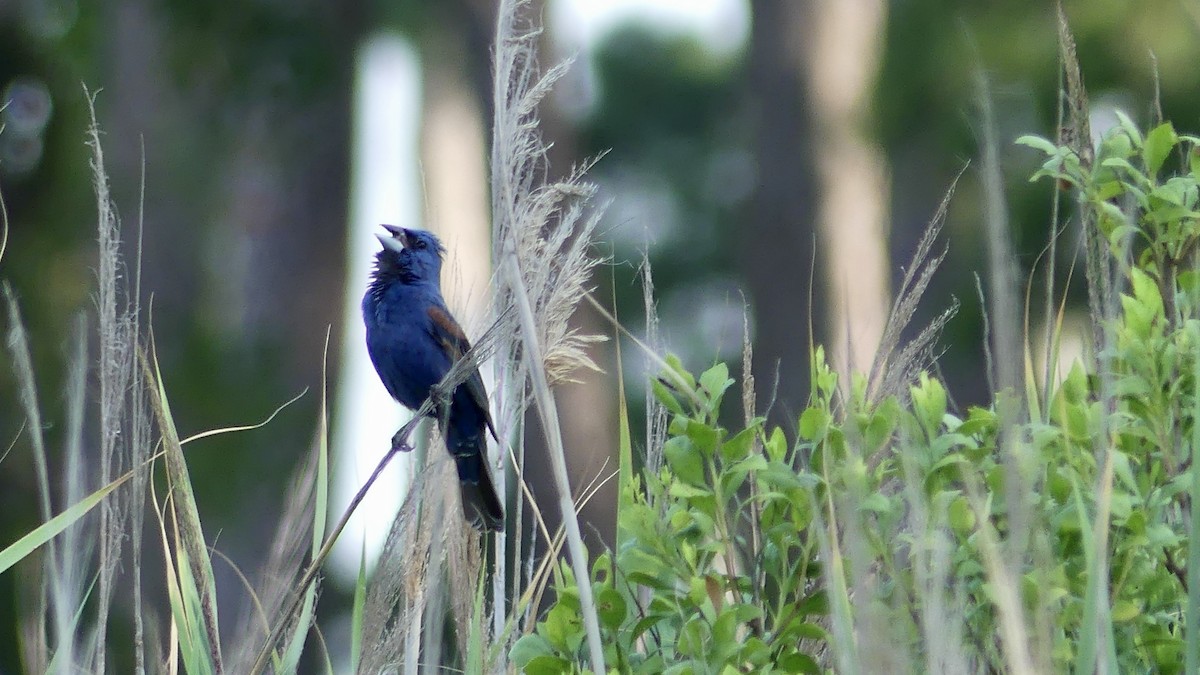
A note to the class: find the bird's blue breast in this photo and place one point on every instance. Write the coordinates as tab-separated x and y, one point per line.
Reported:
402	348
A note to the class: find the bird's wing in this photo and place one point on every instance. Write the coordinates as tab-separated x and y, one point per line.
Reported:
449	335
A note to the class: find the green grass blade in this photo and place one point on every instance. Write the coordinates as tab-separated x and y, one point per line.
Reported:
192	601
295	646
18	550
186	514
474	661
624	446
183	633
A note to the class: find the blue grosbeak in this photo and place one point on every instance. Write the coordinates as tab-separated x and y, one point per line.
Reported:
413	342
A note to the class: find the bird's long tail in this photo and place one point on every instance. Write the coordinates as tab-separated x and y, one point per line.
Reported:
481	504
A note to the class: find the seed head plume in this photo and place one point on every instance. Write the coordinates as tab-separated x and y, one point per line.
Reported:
896	365
542	235
545	229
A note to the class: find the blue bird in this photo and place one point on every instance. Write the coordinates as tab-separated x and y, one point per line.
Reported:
413	342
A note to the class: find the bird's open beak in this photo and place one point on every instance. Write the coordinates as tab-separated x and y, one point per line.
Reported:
397	242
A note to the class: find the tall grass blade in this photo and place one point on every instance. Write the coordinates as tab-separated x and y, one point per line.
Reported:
656	412
624	447
140	443
68	575
17	342
189	640
37	654
192	551
845	644
1001	279
40	535
295	647
63	659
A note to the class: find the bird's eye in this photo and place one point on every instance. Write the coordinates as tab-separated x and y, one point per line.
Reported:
419	244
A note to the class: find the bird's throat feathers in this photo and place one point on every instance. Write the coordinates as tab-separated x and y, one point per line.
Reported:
390	271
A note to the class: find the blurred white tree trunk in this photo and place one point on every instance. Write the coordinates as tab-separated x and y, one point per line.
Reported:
845	43
385	189
453	156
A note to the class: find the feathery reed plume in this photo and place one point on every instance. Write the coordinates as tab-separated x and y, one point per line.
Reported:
79	640
895	366
117	326
543	229
541	238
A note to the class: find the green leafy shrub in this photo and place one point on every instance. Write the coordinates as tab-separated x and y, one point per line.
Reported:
710	571
897	534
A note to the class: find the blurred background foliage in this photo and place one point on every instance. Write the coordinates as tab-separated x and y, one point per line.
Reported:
239	113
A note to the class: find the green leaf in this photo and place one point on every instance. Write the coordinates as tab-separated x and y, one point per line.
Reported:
1116	145
929	403
738	446
563	628
1038	143
1133	173
610	607
704	437
715	381
665	396
684	460
528	648
685	491
1145	290
1125	610
810	631
798	662
547	665
876	503
813	423
776	445
961	516
1129	127
1159	143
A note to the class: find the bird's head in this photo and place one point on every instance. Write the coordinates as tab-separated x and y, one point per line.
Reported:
413	255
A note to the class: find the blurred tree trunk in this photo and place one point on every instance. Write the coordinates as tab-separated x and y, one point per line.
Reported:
845	43
820	180
777	251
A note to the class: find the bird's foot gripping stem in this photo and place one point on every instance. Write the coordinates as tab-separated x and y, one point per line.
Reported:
400	438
